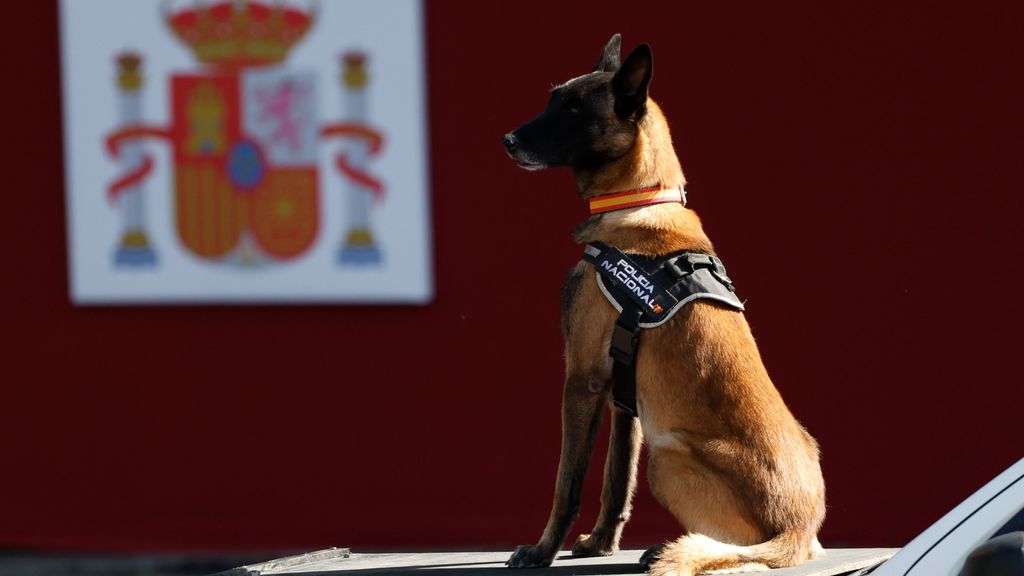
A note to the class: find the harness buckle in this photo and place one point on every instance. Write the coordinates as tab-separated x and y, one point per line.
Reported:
718	271
625	337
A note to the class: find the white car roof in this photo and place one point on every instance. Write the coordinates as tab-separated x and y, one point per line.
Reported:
905	559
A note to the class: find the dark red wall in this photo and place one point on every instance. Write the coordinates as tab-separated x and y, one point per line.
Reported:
858	164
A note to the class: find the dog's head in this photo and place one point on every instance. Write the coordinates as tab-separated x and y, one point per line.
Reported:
590	120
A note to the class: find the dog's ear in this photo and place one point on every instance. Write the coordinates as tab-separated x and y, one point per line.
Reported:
609	61
629	85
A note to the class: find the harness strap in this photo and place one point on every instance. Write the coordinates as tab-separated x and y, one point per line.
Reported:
625	339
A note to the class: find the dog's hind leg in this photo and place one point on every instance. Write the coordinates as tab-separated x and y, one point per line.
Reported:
619	486
727	529
582	404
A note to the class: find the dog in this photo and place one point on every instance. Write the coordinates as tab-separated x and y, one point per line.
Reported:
727	457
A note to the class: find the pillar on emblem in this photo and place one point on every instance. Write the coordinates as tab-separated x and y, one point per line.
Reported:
134	248
359	245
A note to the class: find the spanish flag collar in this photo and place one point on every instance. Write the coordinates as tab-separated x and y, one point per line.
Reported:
633	198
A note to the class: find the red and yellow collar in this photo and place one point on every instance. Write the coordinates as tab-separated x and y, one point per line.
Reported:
633	198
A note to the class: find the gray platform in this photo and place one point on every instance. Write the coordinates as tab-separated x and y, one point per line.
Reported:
341	562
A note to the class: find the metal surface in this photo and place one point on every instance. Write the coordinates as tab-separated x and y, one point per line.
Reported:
835	561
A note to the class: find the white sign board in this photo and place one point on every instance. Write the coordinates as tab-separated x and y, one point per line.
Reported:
246	151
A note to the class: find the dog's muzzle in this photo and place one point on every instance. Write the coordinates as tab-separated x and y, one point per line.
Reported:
522	157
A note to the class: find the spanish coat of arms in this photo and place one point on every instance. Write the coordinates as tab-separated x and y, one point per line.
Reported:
245	180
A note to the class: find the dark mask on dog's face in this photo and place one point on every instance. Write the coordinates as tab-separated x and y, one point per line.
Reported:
590	120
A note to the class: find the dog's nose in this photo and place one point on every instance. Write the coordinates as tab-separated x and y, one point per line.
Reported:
510	141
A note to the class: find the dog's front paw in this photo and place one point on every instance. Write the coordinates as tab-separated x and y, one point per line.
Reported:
531	556
588	545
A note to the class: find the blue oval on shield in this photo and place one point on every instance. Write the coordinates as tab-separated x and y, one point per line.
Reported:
245	165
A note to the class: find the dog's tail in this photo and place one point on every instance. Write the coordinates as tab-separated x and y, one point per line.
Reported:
696	554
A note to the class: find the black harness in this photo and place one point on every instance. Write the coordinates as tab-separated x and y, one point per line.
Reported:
647	292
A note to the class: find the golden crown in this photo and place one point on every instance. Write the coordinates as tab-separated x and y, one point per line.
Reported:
239	33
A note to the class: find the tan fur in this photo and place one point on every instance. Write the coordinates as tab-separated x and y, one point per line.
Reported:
727	457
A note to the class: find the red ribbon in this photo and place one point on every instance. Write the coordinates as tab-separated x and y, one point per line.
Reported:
375	141
372	137
139	173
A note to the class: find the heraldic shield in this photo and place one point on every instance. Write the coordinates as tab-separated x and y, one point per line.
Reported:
245	165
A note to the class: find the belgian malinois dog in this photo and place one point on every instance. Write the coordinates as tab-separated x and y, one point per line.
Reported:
727	457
